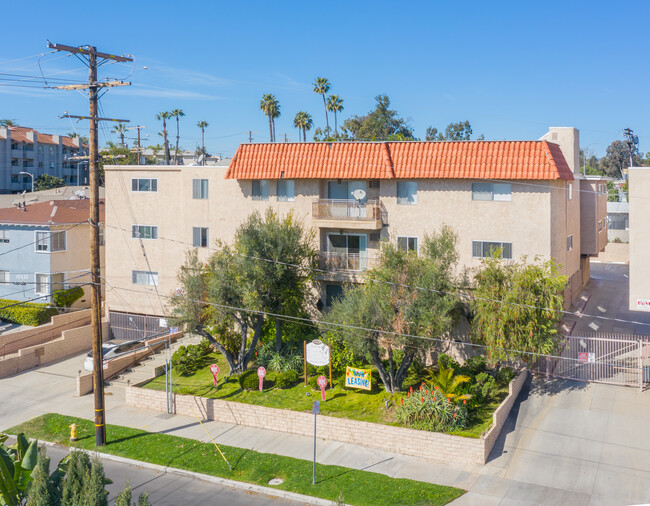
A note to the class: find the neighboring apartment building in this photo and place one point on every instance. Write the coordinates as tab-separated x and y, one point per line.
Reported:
639	234
26	150
45	247
60	193
618	221
593	214
522	196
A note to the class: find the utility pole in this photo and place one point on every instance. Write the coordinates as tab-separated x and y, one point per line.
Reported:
631	140
138	128
250	137
93	87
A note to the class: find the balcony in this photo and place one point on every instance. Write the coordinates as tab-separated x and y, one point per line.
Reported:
345	261
349	214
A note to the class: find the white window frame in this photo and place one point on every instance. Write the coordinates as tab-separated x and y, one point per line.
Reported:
411	191
5	238
48	284
138	235
264	189
135	187
408	238
569	191
288	193
199	230
569	242
503	196
43	241
5	276
151	277
502	246
200	189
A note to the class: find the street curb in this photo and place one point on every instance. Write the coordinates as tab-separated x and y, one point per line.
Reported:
241	485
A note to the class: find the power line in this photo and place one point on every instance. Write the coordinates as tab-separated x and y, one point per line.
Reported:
367	275
39	240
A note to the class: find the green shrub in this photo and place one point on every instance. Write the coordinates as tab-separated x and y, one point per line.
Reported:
432	411
505	375
188	359
65	298
26	313
286	379
286	360
249	380
482	389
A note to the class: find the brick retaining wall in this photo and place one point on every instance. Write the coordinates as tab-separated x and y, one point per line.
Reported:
390	438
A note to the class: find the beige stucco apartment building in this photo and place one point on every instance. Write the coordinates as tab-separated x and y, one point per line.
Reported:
521	196
639	202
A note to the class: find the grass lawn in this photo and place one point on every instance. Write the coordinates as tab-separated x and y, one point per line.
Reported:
367	406
332	482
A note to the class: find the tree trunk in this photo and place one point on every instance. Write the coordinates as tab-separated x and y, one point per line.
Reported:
270	130
327	121
166	142
178	135
376	361
278	335
256	337
336	126
203	144
228	356
407	360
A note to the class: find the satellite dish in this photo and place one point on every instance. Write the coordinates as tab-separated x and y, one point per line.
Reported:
23	193
359	194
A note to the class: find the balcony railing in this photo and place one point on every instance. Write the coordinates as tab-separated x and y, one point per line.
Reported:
332	209
345	261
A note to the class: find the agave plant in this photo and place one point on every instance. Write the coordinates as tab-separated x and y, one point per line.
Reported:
448	383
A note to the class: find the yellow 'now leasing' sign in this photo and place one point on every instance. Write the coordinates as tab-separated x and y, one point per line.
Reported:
357	378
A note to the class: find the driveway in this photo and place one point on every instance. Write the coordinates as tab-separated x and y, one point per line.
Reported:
607	294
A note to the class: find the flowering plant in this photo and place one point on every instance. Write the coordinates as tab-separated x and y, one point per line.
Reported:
431	410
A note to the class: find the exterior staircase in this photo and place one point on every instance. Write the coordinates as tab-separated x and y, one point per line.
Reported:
152	366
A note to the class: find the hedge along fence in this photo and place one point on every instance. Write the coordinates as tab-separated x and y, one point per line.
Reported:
26	313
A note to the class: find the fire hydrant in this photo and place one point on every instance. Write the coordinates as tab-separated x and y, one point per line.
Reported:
73	432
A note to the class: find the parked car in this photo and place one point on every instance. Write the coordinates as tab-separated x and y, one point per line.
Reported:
111	349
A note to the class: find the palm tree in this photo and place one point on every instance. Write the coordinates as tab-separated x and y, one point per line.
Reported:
321	87
334	104
303	122
202	125
271	108
448	382
8	123
120	129
177	113
164	116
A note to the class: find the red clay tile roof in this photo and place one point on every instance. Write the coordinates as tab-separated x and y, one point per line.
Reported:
19	134
52	212
400	160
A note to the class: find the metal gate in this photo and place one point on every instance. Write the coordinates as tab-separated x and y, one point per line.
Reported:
135	326
613	359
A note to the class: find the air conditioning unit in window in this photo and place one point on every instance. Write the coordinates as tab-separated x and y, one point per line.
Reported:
373	183
374	236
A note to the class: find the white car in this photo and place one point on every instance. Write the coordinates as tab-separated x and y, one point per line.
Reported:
110	349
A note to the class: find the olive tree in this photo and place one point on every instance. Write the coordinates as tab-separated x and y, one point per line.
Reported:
405	300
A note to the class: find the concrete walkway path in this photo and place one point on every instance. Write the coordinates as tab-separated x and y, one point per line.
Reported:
564	443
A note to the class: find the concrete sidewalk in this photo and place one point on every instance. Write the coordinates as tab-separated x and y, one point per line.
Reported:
564	443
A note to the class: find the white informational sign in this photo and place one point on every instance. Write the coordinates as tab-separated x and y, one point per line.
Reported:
318	353
643	304
162	322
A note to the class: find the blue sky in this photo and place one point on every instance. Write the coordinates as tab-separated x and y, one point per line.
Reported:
511	68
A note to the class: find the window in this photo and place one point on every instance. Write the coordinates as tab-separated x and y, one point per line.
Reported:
102	239
600	225
50	241
569	191
42	241
569	243
144	185
407	192
144	232
332	292
200	189
42	286
260	190
492	191
485	249
200	237
347	190
57	281
4	236
144	278
285	190
4	276
57	241
408	244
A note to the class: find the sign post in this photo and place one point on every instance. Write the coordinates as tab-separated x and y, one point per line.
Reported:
214	369
315	409
261	372
322	383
